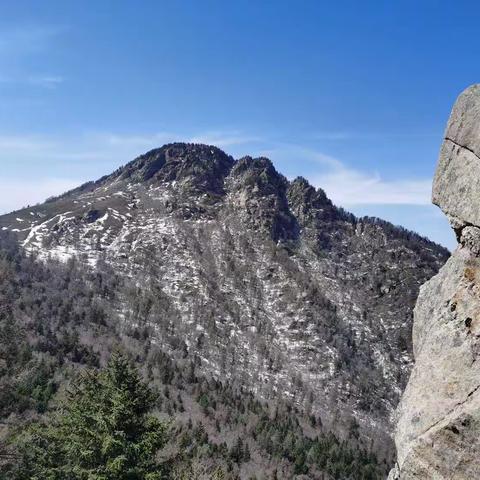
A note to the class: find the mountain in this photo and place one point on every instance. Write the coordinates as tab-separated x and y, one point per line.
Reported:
259	281
438	429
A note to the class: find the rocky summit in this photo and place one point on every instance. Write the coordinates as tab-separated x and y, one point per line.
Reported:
439	416
264	282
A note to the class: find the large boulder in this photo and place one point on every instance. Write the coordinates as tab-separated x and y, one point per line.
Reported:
438	431
456	186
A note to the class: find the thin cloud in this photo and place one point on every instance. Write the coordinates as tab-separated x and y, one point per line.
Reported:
103	145
224	139
332	135
349	187
355	136
45	81
136	141
24	144
22	193
26	39
19	43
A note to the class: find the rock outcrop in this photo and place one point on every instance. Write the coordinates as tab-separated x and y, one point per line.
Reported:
438	432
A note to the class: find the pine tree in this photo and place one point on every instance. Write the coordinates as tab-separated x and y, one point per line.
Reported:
246	453
103	432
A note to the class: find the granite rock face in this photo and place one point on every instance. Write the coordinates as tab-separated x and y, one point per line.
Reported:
437	435
456	186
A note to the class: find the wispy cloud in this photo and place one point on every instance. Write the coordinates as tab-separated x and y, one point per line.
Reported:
225	139
46	81
359	135
348	186
20	193
104	145
41	81
332	135
25	145
26	39
19	43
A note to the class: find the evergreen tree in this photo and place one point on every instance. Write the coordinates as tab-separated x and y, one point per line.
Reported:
102	432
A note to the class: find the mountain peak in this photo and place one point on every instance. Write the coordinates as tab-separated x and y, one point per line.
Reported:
206	165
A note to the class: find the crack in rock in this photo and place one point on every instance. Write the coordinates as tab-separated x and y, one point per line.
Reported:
458	404
462	146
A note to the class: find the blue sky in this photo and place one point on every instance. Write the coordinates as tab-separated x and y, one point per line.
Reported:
352	95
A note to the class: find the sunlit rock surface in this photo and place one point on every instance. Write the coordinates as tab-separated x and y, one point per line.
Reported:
438	433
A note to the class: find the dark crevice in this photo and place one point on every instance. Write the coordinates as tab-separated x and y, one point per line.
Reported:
462	146
450	411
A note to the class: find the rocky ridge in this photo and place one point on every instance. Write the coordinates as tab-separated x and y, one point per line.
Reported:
260	280
437	436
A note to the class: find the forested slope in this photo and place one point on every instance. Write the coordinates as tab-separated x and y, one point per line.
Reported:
57	319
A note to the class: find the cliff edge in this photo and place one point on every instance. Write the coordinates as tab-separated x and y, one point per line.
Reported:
438	430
